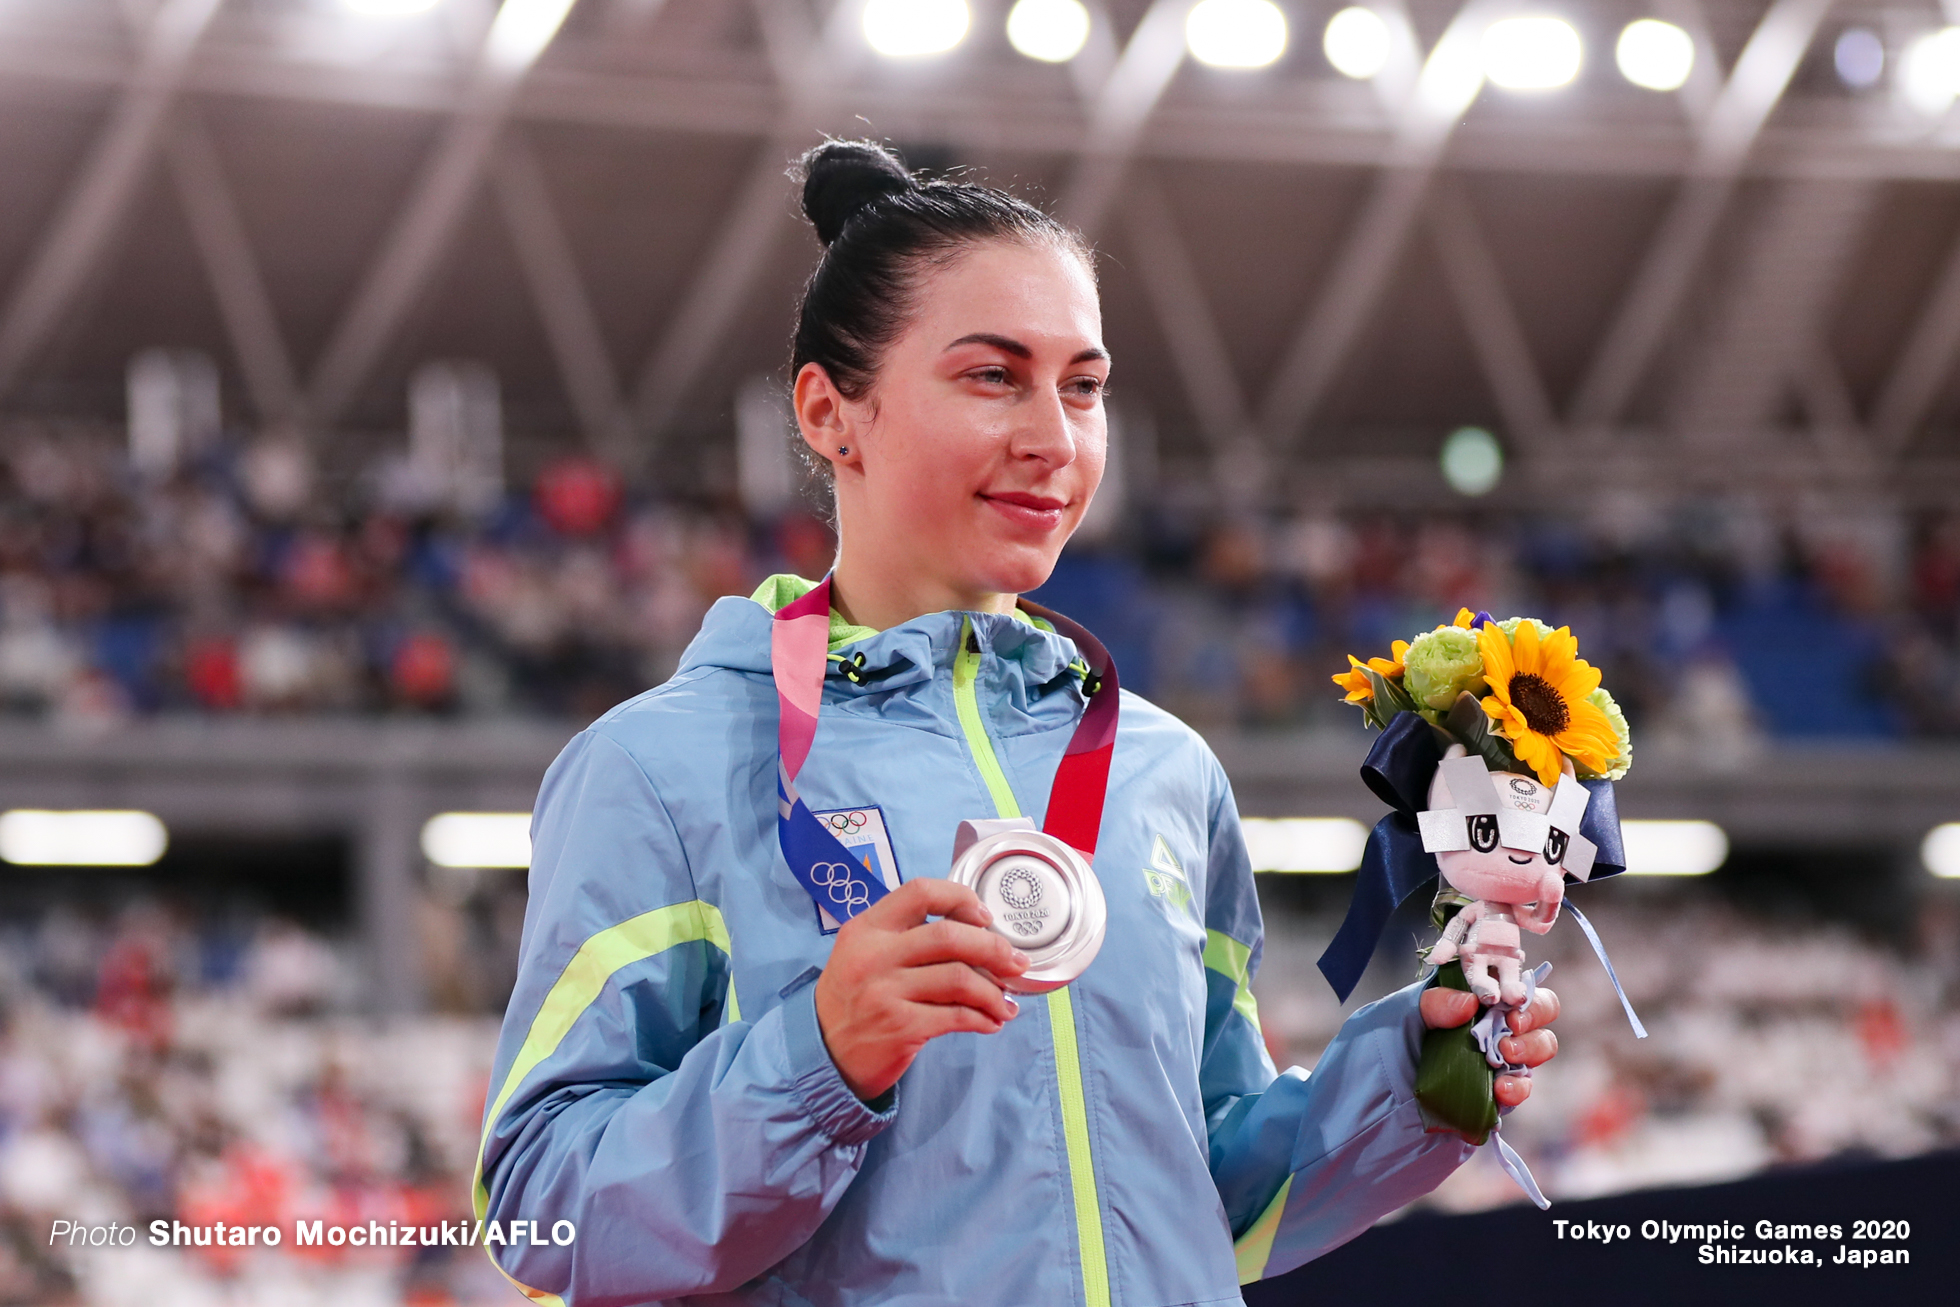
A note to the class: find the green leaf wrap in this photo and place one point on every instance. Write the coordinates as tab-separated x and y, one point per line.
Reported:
1389	699
1469	723
1453	1082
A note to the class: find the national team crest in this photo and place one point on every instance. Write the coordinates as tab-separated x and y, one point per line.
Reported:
862	831
1165	876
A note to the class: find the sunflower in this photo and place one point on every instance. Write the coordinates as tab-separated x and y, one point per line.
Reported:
1539	700
1355	680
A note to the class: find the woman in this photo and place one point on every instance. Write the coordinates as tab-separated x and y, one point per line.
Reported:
733	1103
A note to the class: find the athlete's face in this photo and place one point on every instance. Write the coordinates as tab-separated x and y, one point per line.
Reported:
980	444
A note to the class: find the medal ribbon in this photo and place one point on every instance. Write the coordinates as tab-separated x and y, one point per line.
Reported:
841	884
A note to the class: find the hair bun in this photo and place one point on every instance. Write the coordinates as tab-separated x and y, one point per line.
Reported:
841	177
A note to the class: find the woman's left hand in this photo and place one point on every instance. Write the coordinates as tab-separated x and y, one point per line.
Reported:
1531	1042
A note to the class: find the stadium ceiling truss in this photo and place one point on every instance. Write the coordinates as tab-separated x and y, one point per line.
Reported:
1755	277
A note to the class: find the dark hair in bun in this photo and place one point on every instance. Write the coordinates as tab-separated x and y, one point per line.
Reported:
880	225
841	177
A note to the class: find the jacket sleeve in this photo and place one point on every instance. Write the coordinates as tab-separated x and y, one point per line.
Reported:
690	1149
1304	1162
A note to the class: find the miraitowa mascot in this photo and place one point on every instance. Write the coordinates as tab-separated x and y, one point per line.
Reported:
1498	752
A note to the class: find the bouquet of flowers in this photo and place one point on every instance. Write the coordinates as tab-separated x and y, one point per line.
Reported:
1498	752
1515	693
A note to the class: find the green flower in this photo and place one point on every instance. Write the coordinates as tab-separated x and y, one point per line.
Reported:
1623	757
1440	665
1510	627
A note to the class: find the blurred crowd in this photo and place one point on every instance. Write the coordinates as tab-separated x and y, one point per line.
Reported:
1716	623
216	590
236	584
1770	1042
153	1068
154	1064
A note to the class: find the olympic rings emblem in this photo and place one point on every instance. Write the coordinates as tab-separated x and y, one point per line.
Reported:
845	888
846	822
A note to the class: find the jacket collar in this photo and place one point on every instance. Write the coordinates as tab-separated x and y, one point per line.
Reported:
1027	657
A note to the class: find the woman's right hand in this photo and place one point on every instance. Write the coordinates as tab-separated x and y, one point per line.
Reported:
896	980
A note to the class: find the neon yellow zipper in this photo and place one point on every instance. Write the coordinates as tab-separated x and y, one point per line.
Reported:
966	669
1061	1010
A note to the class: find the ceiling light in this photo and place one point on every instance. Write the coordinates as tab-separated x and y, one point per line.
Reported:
907	29
33	837
1053	31
1356	42
1533	53
1235	33
478	839
1859	57
522	29
1472	461
1941	851
1930	76
1656	55
389	8
1673	848
1304	844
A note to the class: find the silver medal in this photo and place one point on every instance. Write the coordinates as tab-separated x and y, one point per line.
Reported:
1042	893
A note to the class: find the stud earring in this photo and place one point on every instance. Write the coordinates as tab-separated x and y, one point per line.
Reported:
843	449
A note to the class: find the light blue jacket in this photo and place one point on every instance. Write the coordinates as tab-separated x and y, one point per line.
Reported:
661	1081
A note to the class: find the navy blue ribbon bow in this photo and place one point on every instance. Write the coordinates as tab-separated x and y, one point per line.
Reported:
1395	865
